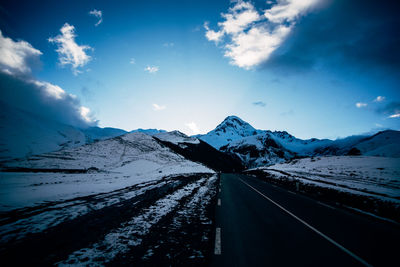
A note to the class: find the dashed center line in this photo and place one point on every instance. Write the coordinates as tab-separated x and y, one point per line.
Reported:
219	202
217	250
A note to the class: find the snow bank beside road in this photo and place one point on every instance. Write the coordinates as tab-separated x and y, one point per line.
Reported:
376	176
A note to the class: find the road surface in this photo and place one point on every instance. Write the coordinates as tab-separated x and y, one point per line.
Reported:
258	224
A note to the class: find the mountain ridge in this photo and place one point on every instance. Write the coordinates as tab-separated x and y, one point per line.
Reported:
264	147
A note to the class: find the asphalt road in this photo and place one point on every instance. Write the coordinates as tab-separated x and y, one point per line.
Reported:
258	224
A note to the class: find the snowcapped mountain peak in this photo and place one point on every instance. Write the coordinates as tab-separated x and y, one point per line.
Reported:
230	129
236	123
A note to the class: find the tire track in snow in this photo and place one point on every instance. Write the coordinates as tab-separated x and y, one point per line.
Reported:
131	233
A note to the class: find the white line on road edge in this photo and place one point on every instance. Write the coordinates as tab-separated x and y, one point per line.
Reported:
219	202
217	250
312	228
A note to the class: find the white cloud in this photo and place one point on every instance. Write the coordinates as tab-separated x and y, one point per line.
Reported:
396	115
86	114
151	69
98	14
239	18
132	61
361	105
51	90
253	36
251	48
213	35
193	127
15	56
157	107
379	98
69	52
288	10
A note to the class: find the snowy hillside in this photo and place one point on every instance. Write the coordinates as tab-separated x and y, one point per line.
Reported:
385	144
24	134
176	138
101	166
258	150
378	177
263	147
117	189
132	150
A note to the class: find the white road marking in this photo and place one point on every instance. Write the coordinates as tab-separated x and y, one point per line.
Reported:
312	228
220	190
219	202
217	250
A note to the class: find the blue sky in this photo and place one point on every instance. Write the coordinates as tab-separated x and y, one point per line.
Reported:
312	68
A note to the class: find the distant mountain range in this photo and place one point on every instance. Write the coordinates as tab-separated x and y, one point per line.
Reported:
263	147
230	145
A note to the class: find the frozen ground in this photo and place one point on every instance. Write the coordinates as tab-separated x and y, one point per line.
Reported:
105	166
136	224
378	177
90	200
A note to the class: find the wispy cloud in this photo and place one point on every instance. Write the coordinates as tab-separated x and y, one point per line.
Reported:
69	52
391	110
152	69
361	105
250	36
379	99
259	103
98	14
132	61
397	115
15	56
193	127
157	107
168	44
287	113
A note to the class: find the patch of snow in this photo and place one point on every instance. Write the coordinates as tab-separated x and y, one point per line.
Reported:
377	176
176	138
130	234
58	212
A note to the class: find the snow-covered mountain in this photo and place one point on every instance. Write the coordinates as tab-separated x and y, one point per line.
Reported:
132	152
384	144
231	129
23	134
263	147
258	150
